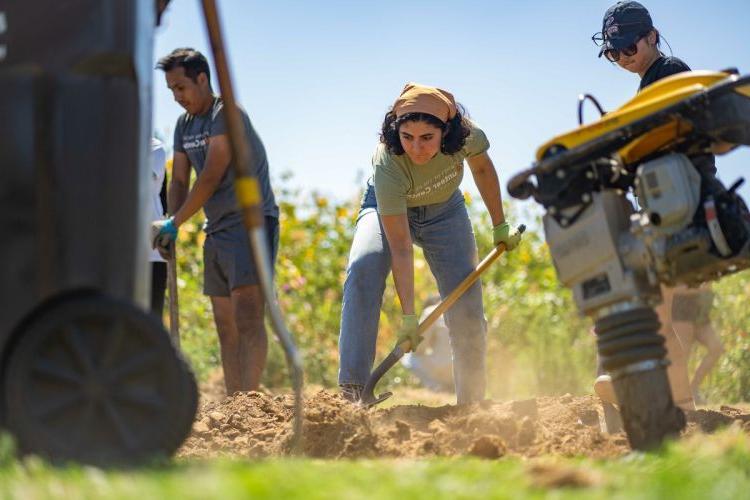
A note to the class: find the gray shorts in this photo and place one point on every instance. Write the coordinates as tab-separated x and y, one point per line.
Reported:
228	260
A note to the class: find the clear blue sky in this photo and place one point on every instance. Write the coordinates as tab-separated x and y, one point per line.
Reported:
317	77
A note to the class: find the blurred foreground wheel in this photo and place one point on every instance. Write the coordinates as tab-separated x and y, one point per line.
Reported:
97	380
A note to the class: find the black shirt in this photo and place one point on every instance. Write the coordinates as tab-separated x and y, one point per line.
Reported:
666	66
662	68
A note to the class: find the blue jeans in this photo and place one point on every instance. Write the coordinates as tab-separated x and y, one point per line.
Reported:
444	232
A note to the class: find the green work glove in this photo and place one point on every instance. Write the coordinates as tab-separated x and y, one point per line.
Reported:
503	233
408	332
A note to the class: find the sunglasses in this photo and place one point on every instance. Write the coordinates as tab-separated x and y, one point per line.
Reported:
614	54
631	50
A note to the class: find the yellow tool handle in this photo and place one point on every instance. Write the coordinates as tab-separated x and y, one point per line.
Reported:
460	289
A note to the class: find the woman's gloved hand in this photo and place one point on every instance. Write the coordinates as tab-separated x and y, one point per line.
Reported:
503	233
408	332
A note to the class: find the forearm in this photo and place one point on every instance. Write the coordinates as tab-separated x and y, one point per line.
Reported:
202	190
402	261
178	191
489	188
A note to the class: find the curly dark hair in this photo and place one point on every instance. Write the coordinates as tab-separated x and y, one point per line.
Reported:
455	130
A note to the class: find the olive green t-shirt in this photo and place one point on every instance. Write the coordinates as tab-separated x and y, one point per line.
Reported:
401	184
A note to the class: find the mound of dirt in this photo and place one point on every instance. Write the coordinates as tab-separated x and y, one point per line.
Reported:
257	424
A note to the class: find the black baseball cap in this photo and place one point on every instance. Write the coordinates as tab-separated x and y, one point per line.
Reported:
623	24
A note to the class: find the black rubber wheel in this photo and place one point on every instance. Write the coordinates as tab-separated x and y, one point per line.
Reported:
648	413
97	380
624	340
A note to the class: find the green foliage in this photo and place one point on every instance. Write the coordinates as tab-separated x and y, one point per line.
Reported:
197	331
537	342
7	448
730	381
707	467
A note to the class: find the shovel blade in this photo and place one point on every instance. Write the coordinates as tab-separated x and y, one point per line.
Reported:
369	402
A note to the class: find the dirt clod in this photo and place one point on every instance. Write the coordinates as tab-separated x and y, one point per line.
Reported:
588	416
487	447
709	420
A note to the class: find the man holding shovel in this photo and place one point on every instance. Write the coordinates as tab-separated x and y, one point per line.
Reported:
230	277
413	197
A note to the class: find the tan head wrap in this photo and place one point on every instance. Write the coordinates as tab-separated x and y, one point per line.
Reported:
416	98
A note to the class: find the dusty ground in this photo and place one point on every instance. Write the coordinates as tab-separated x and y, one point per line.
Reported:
258	424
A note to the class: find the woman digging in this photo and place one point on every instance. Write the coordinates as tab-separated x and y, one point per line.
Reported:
413	198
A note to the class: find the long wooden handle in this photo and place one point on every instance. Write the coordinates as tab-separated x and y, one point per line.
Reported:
174	303
460	289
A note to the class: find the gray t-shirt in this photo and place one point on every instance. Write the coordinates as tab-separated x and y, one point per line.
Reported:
191	136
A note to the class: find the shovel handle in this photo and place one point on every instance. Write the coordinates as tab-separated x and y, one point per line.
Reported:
457	292
462	287
174	307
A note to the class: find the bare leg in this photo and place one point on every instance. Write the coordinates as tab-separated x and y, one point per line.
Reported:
249	309
677	370
707	336
228	342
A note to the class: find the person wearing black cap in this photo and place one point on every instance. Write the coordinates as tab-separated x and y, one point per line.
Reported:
629	38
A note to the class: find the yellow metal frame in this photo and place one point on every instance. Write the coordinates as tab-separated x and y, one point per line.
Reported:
653	98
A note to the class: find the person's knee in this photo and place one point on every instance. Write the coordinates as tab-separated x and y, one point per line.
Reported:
713	345
468	312
249	310
366	273
467	332
222	309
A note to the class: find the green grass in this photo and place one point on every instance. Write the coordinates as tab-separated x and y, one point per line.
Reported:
707	467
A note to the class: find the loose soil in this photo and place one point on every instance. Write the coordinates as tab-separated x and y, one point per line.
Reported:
259	424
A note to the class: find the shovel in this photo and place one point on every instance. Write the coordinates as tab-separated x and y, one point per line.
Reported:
368	398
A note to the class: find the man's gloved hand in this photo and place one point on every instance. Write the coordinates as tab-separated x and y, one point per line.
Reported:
408	332
163	236
503	233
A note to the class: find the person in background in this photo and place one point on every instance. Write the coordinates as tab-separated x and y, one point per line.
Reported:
691	319
156	210
230	278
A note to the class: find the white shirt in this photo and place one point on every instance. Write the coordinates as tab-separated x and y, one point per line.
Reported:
158	161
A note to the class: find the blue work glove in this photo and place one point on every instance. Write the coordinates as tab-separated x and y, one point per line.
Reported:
163	236
408	332
503	233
